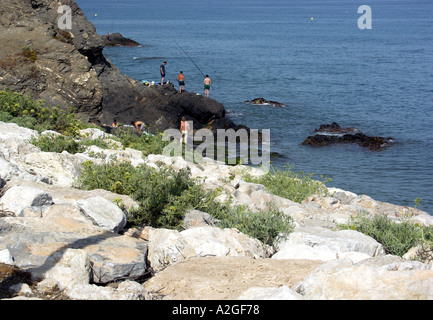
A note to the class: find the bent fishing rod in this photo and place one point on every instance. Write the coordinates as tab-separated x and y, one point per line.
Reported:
194	63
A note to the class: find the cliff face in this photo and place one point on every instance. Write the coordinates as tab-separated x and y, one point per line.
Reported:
68	68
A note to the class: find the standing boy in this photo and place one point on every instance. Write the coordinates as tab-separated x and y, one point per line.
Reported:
207	82
181	81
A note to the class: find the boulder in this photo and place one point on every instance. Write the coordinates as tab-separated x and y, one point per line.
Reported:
104	213
273	293
263	101
17	198
323	244
60	168
13	132
340	205
166	247
125	290
224	278
341	280
36	245
66	198
5	257
196	218
70	267
213	241
117	40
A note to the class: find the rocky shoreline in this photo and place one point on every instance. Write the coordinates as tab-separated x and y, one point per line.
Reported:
60	242
74	243
67	68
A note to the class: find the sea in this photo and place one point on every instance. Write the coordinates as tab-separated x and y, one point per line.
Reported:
362	64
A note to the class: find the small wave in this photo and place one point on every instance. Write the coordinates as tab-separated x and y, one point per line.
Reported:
147	58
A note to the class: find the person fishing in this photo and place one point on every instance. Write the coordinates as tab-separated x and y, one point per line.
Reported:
207	83
181	81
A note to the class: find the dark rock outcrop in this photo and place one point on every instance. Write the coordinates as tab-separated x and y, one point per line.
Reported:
116	39
333	133
263	101
68	69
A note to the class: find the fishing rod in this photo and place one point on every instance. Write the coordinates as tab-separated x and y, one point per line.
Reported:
193	63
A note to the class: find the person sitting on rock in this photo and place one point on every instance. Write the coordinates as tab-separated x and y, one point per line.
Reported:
115	124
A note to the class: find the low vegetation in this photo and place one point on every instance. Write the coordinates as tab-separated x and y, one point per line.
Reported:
397	237
289	184
165	195
147	143
26	112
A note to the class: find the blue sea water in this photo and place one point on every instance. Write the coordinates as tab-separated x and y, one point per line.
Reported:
311	56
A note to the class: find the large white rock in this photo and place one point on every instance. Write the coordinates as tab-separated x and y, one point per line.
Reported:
272	293
5	257
11	131
34	241
10	171
166	247
17	198
323	244
214	241
340	280
94	133
104	213
70	267
61	168
126	290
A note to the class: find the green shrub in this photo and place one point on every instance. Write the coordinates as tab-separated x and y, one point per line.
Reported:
18	105
397	237
95	142
267	225
291	185
58	143
26	112
165	195
29	54
148	144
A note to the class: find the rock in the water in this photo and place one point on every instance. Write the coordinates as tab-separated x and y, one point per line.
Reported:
117	40
333	133
263	101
